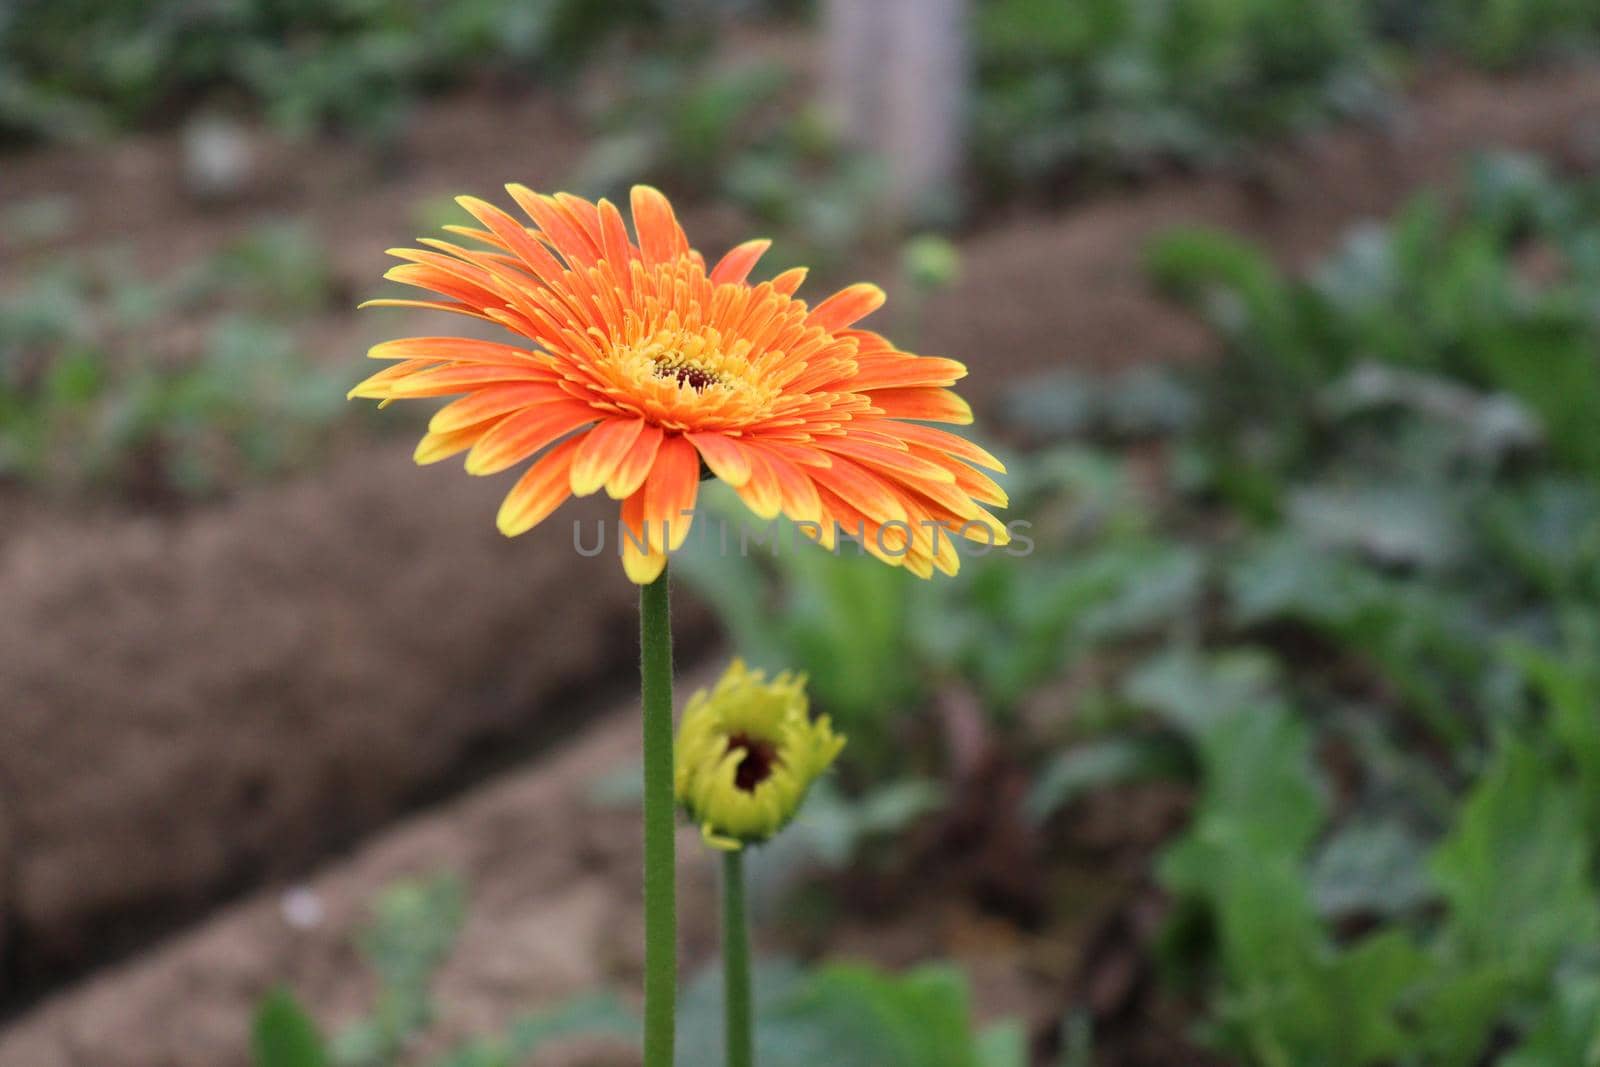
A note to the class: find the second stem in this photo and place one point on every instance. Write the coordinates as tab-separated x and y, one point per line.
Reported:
736	962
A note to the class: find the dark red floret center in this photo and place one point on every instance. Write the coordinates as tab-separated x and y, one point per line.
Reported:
694	377
760	757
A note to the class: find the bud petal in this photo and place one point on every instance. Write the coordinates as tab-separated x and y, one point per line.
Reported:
747	753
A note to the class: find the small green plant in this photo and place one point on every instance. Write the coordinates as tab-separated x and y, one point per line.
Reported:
413	929
94	394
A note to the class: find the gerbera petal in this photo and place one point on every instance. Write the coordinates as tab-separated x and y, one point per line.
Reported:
542	488
863	490
856	526
376	386
521	435
570	239
492	401
442	381
635	466
985	528
426	305
439	446
928	405
585	213
603	449
725	456
761	493
796	492
877	372
847	307
888	460
735	267
789	281
980	487
948	443
661	239
515	238
614	242
643	555
670	490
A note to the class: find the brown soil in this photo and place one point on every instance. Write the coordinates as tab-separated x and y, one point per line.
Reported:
554	912
198	702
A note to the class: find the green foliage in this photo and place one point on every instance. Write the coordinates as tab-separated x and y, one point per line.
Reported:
1498	33
1111	87
850	1015
1081	769
1399	433
1514	879
75	67
99	390
1414	457
599	1015
833	830
1070	93
1516	871
1493	296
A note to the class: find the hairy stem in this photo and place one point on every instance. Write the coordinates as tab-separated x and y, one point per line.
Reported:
660	870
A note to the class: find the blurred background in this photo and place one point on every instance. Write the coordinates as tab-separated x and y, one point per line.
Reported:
1282	748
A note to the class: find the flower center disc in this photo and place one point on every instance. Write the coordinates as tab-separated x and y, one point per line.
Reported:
760	757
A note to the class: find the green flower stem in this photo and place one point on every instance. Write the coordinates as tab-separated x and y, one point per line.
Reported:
736	962
660	864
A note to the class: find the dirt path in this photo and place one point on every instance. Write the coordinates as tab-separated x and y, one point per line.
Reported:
1038	293
195	704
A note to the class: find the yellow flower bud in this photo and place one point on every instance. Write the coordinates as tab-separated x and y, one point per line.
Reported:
747	752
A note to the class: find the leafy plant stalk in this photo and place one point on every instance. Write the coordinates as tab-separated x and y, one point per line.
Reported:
660	872
736	962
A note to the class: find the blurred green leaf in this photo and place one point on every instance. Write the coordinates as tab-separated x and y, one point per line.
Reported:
285	1036
414	926
1096	765
1370	868
599	1015
1515	870
1568	1034
849	1015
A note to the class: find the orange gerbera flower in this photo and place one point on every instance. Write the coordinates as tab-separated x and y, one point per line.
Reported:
645	368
